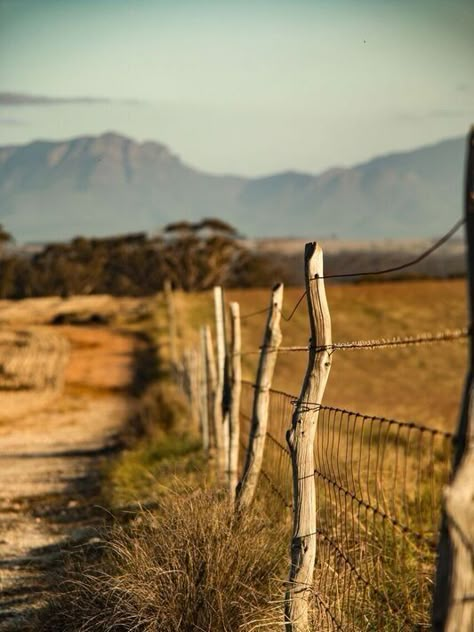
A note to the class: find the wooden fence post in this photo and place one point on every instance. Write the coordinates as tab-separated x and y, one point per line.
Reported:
236	385
168	292
300	439
194	370
453	603
204	392
258	426
211	372
186	364
221	427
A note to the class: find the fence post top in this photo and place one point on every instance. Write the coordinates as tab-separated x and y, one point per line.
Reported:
277	293
311	248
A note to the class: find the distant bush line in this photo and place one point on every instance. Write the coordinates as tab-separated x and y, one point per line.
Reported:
193	257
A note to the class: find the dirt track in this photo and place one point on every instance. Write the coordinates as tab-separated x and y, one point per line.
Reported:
50	458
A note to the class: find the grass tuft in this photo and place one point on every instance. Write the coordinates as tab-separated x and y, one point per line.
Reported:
186	567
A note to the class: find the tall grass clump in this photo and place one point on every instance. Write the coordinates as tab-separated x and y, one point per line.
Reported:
190	566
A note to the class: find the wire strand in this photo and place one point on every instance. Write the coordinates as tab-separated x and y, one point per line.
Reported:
447	335
407	264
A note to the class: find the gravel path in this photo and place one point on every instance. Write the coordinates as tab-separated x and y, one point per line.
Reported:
50	459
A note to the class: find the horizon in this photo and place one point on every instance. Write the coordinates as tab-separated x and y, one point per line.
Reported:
240	88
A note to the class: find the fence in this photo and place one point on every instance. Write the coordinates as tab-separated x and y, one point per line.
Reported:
365	492
378	489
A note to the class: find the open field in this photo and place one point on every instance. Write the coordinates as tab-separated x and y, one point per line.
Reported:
420	384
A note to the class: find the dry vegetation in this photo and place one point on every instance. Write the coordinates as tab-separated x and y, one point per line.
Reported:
185	567
416	383
183	563
402	472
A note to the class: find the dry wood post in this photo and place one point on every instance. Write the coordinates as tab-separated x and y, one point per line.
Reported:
300	439
169	298
220	419
235	389
211	372
453	603
194	370
204	392
258	425
186	375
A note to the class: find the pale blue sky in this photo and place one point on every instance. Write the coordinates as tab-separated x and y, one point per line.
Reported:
247	87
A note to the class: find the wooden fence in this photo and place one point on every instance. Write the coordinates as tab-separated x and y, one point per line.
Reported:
382	509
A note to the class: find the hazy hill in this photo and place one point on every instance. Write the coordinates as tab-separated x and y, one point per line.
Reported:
112	184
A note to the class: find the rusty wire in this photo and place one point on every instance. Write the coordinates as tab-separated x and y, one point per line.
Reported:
447	335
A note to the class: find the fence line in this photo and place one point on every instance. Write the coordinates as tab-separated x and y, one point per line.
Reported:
378	487
376	484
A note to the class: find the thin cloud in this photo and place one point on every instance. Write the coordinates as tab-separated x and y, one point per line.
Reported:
11	122
13	99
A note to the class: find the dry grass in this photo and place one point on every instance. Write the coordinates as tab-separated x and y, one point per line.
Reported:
186	567
422	384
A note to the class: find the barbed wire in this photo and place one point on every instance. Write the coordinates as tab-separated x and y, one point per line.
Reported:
344	275
447	335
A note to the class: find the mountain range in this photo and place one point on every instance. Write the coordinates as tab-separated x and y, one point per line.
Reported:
110	184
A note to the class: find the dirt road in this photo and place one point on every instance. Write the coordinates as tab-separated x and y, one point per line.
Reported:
51	452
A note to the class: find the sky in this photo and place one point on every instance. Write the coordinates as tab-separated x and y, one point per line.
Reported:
245	86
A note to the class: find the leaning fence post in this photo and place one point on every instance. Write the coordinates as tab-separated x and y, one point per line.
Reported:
258	426
168	292
211	372
453	603
236	385
204	393
220	420
194	387
187	378
300	439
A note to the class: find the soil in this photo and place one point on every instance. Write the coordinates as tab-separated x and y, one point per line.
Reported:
52	451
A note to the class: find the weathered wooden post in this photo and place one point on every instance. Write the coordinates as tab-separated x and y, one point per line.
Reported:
300	439
169	298
220	420
453	603
258	425
211	387
204	392
194	370
183	375
235	389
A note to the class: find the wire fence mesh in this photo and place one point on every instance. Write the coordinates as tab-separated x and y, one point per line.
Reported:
276	466
378	488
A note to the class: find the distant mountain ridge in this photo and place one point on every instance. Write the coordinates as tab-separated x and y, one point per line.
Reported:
109	184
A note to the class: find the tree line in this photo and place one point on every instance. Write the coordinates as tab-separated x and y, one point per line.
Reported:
193	256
